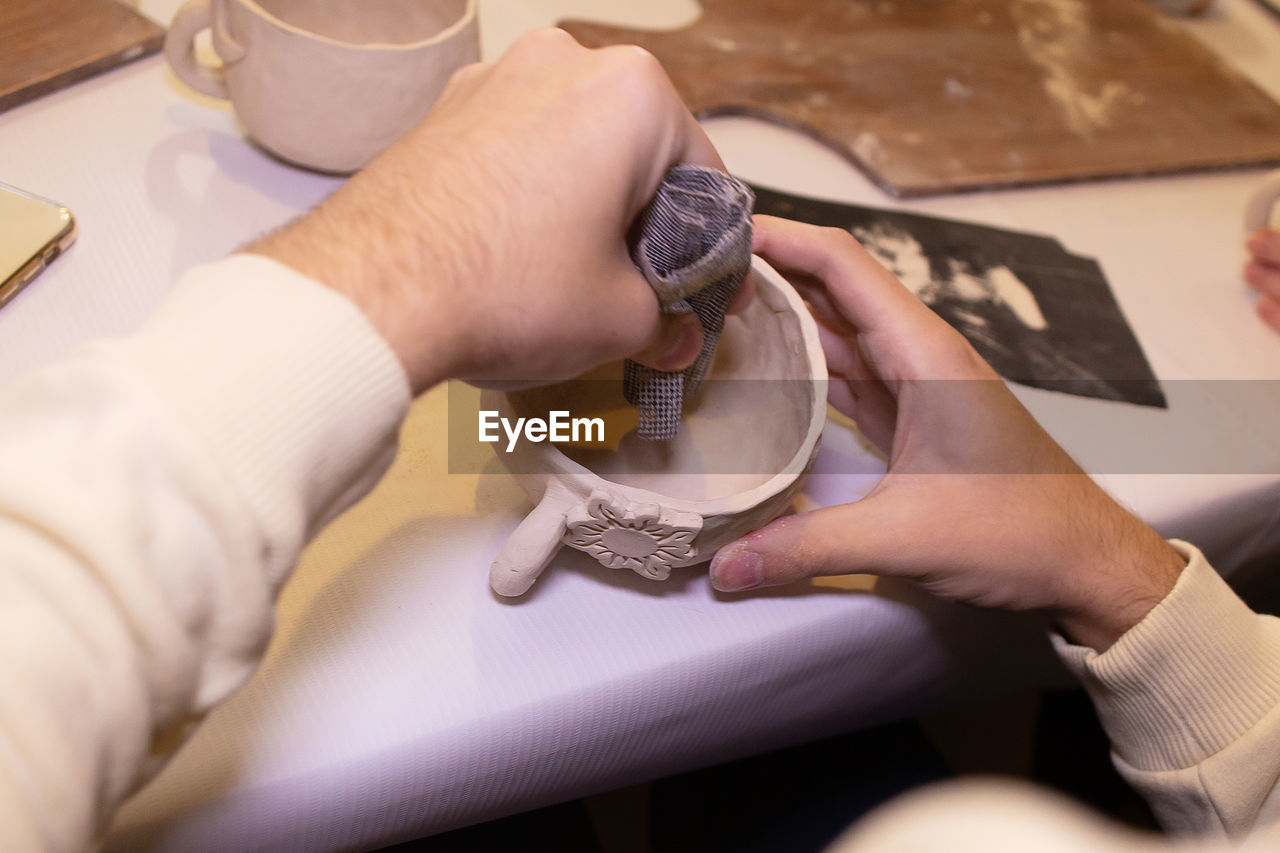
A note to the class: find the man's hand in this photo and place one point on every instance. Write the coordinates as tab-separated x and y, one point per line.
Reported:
490	242
1262	273
979	504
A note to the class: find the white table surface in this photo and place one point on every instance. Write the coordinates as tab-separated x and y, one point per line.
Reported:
400	698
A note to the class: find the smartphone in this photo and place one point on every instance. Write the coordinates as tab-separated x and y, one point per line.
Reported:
33	231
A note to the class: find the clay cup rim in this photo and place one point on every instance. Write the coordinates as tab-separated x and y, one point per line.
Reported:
464	20
546	462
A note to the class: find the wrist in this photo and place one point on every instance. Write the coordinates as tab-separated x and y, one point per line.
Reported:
1131	570
387	275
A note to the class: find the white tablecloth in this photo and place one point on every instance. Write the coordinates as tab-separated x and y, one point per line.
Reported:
400	697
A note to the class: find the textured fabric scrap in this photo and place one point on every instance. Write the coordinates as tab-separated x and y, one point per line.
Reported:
694	249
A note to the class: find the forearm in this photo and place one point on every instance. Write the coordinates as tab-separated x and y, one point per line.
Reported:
154	494
1190	697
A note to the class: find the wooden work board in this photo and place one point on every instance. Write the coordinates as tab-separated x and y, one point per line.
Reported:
937	96
48	44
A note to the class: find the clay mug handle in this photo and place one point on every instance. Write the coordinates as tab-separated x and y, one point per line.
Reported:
180	48
532	545
1257	213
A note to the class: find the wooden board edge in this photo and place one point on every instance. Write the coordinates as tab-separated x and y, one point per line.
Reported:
98	65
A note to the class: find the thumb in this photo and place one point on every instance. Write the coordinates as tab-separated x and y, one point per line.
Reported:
677	346
839	540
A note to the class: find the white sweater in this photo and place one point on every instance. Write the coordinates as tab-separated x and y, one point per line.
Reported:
1190	697
155	492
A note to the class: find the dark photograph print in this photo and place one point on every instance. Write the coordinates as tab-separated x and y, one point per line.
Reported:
1038	314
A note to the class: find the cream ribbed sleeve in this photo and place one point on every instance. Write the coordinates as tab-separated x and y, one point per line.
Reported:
1190	697
154	493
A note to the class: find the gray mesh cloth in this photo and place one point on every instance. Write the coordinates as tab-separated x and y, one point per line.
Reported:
694	249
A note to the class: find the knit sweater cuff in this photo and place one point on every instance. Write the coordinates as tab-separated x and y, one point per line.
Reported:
1195	674
290	387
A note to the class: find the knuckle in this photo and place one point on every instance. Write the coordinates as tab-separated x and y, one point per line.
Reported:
837	244
558	37
467	72
634	67
540	42
643	61
631	55
838	238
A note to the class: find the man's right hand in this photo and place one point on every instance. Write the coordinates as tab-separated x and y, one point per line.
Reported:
979	504
490	242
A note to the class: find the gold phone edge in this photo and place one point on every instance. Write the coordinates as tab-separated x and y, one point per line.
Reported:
28	272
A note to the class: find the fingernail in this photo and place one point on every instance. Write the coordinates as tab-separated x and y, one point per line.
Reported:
736	570
685	348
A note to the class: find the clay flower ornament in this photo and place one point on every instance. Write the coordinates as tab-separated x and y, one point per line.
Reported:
641	537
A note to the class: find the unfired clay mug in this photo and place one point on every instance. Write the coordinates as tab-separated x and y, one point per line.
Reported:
1261	207
326	85
748	439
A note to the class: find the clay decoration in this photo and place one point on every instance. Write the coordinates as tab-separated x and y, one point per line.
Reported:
650	507
329	85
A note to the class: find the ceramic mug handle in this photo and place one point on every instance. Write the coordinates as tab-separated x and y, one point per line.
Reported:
180	48
533	544
1258	211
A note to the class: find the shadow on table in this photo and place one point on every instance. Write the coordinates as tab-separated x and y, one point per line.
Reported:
249	182
359	656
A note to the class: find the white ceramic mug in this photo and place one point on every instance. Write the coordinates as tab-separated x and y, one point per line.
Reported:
326	85
741	456
1261	207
